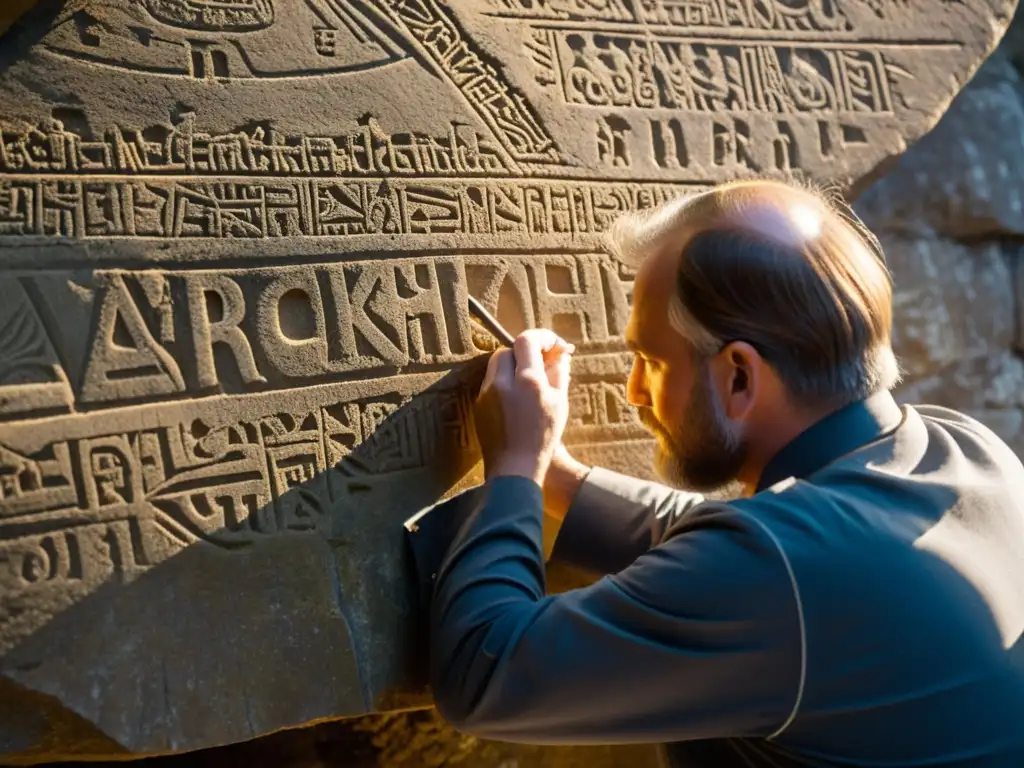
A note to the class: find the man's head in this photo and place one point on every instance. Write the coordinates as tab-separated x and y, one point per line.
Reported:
758	308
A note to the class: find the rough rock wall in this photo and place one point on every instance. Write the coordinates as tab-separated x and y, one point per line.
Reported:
951	219
950	216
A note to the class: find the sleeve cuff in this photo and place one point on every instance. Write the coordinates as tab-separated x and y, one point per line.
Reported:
607	525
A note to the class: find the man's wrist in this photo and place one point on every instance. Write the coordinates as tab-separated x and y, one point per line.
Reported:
533	467
562	481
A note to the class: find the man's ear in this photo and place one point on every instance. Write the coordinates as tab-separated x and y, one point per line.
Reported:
740	377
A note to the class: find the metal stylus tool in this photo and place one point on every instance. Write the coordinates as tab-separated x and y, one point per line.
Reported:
477	310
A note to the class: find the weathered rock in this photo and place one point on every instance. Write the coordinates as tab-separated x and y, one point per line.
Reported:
234	354
950	218
1017	268
951	302
965	178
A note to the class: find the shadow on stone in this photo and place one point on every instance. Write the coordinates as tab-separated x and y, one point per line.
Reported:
222	620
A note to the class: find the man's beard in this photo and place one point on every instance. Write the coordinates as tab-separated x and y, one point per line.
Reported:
705	452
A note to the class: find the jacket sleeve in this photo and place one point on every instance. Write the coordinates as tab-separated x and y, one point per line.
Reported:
698	638
615	518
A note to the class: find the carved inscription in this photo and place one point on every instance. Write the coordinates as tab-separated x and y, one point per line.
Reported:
430	29
223	16
643	72
805	15
227	481
182	147
158	336
224	40
238	207
113	504
143	493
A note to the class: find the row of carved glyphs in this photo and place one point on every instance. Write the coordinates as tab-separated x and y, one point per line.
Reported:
177	335
142	495
182	147
598	69
179	149
80	207
761	15
209	480
425	26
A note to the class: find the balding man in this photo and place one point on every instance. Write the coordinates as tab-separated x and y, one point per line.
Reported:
861	603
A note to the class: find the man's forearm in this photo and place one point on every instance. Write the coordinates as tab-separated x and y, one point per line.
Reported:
564	478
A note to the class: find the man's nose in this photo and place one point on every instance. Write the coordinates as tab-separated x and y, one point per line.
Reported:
636	387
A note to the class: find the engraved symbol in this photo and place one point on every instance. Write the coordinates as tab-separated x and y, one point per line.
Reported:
214	15
731	145
110	471
108	474
229	38
326	41
613	142
845	137
786	151
668	141
125	360
540	47
50	558
37	482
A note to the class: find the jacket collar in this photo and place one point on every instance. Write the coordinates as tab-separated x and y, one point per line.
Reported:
839	433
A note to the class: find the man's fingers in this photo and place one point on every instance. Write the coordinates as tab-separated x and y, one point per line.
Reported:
529	349
500	369
535	349
560	372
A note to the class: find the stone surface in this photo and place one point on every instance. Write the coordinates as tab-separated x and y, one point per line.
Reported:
949	216
236	242
965	178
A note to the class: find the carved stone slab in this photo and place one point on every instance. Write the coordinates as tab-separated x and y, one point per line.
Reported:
236	240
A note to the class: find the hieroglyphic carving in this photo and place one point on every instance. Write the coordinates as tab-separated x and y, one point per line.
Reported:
144	493
431	29
612	142
273	207
223	40
35	483
816	15
668	143
596	10
181	147
226	481
644	72
214	15
803	15
540	46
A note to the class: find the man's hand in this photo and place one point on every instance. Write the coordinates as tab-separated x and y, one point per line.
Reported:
523	405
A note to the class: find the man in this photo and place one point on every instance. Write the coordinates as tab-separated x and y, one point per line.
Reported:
861	604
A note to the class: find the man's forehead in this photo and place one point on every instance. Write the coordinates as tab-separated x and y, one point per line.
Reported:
653	289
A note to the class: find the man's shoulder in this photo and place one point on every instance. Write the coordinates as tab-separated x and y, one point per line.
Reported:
722	546
935	444
965	429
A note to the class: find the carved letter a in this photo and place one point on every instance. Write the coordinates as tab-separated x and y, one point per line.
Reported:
118	372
